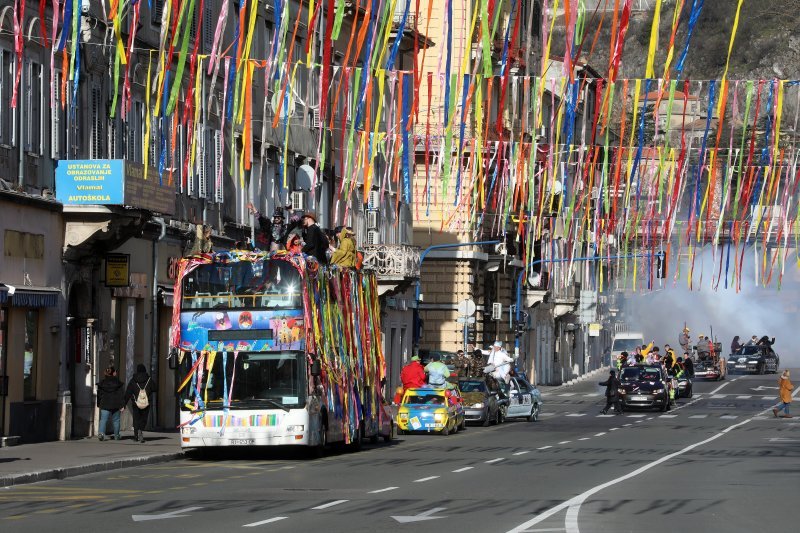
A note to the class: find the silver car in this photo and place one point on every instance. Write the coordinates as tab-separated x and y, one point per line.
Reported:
524	400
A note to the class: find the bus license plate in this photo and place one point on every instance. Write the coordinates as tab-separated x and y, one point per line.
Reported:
242	442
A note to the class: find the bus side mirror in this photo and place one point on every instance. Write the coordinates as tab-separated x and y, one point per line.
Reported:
316	368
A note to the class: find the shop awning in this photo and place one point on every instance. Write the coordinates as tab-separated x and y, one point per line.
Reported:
30	296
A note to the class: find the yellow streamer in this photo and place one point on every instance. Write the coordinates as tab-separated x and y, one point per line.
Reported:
146	140
651	52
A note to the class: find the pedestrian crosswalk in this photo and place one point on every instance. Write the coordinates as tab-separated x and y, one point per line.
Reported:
642	415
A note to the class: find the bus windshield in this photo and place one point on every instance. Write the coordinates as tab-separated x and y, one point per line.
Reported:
269	284
261	381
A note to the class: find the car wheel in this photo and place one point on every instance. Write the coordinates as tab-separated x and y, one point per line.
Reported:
501	416
319	450
486	419
534	416
463	424
665	405
690	393
445	431
390	437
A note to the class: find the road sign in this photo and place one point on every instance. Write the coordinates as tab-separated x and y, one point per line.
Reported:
466	320
421	516
466	307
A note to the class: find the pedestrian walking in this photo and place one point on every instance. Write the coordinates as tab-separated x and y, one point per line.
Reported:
785	393
612	385
138	393
111	401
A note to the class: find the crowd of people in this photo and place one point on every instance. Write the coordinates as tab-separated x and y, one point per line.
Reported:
299	234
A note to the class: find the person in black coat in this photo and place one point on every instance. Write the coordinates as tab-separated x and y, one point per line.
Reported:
612	385
111	401
139	382
316	243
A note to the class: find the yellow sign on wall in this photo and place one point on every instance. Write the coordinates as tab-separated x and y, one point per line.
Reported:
118	270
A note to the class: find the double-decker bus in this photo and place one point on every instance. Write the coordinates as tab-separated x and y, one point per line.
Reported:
273	350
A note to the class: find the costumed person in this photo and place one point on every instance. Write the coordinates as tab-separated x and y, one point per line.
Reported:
785	391
412	375
500	363
753	341
294	244
736	346
140	387
111	401
688	365
202	240
437	372
345	254
476	364
270	234
764	341
316	243
684	339
612	386
703	347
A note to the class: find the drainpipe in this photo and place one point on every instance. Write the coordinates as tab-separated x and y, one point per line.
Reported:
422	256
21	140
154	315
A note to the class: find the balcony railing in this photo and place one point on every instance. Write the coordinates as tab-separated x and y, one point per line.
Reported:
392	262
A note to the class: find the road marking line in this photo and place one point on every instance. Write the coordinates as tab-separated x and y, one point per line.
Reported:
267	521
565	442
521	453
720	387
329	504
422	480
769	397
573	505
613	429
649	418
719	396
744	397
544	447
593	395
547	414
461	470
490	461
639	421
668	416
635	416
387	489
729	417
600	434
584	438
626	425
698	416
604	416
577	414
568	394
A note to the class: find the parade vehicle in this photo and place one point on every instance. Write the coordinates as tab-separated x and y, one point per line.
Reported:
274	350
428	409
754	360
646	386
483	400
524	400
707	368
626	341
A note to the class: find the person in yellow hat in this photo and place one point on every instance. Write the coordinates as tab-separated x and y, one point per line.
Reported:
345	254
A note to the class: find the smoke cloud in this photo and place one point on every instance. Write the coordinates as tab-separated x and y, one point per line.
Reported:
754	310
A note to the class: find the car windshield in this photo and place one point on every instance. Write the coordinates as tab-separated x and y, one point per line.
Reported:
641	373
424	399
752	350
472	386
626	345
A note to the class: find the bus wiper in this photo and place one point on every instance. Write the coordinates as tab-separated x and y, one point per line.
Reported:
274	403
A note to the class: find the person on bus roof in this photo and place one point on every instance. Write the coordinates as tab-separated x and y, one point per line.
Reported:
345	254
316	243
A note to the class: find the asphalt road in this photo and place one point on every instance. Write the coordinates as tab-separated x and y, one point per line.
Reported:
719	462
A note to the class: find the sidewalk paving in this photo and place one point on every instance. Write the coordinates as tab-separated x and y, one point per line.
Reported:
29	463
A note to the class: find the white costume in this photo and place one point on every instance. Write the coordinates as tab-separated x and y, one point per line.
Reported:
502	364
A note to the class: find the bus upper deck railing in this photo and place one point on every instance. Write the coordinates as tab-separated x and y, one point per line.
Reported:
229	300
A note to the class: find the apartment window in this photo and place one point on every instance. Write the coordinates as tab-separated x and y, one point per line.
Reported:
156	12
96	148
114	139
219	188
29	369
58	122
7	113
33	107
133	139
210	16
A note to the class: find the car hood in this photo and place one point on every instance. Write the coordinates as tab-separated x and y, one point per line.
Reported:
474	397
643	386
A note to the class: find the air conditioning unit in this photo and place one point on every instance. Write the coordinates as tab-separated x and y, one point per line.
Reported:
317	120
372	220
298	200
497	311
374	200
373	238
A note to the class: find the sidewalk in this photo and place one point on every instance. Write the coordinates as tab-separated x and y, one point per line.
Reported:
29	463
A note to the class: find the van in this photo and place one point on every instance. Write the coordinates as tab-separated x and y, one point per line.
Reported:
626	341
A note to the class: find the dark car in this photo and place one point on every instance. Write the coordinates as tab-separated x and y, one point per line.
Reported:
645	386
684	388
754	359
484	403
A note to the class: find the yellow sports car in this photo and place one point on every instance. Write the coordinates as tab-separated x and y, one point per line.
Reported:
429	409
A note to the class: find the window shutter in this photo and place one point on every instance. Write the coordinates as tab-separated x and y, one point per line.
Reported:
156	12
219	195
55	116
210	23
96	140
202	165
3	97
27	86
155	139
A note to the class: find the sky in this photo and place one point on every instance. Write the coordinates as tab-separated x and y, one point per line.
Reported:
755	310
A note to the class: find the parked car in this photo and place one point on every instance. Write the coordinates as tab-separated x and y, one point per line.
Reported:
432	410
754	359
484	402
646	386
524	399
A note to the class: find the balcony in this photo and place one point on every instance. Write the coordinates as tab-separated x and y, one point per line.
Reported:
396	265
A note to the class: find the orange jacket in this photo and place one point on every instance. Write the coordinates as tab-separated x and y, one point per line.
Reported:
786	389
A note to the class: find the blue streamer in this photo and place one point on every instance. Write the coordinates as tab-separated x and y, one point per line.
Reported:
67	24
278	6
74	103
408	94
373	20
162	136
398	37
640	148
465	93
697	7
232	71
448	62
728	254
701	159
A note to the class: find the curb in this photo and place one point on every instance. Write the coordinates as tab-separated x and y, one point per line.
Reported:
584	377
80	470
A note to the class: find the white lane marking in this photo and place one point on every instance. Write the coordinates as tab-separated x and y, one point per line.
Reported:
600	434
668	416
593	395
568	394
521	453
649	418
720	387
573	505
543	447
605	416
729	417
577	414
329	504
547	414
180	513
463	469
565	442
639	421
267	521
626	425
613	429
490	461
635	416
421	517
769	397
422	480
545	529
698	416
744	397
584	438
387	489
719	396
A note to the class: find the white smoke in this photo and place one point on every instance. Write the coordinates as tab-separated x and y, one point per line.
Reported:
754	310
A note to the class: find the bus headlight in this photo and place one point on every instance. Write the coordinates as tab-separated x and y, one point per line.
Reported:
295	429
188	430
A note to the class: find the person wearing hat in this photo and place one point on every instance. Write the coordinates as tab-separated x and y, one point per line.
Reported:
316	243
412	375
684	339
345	254
612	386
270	234
500	362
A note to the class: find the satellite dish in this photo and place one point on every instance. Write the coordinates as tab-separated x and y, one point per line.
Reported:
304	178
557	187
534	279
284	111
